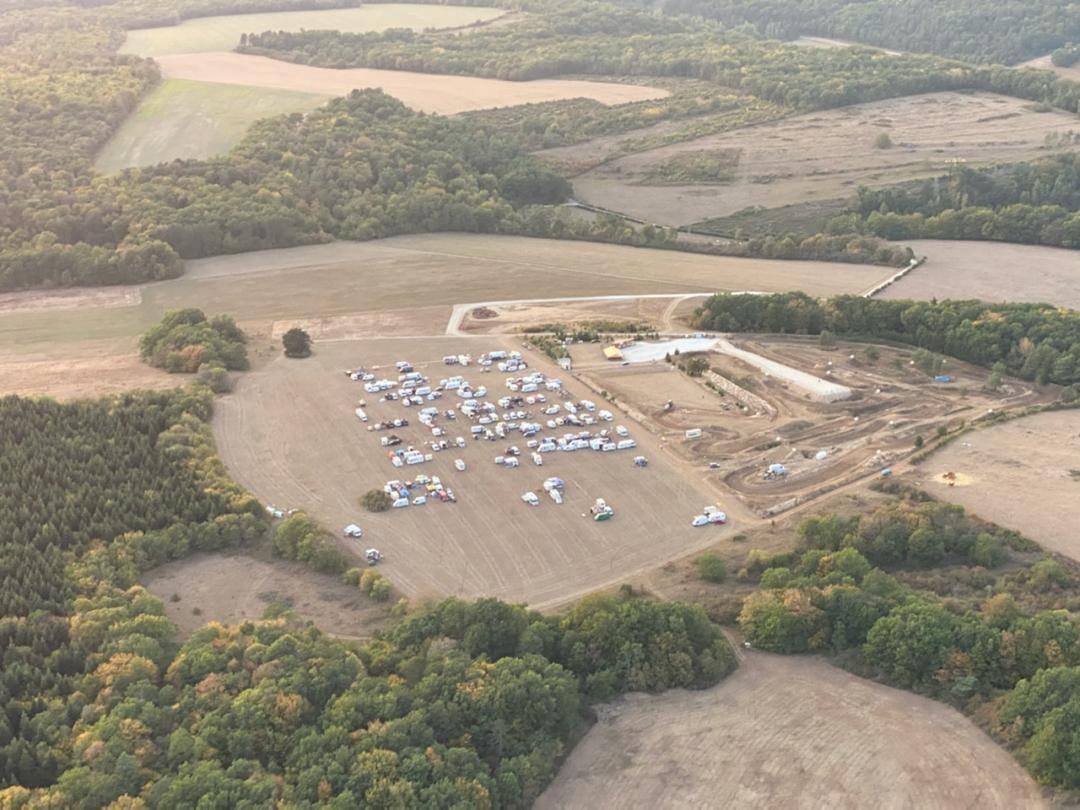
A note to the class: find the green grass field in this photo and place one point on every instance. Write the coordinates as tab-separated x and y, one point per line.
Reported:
186	119
223	33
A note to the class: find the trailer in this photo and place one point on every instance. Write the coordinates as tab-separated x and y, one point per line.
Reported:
600	511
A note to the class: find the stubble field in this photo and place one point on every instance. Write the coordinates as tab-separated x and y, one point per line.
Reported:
825	155
403	285
791	732
1024	475
991	271
212	95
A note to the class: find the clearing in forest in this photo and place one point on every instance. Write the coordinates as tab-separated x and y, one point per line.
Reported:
222	33
183	119
822	155
231	588
792	732
1024	475
289	433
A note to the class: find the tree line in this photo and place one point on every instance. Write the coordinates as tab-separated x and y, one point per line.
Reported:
1034	203
918	593
1009	32
1031	341
597	39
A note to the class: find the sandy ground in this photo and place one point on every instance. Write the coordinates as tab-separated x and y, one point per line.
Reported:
223	32
288	433
991	271
426	92
788	733
230	588
827	155
1024	475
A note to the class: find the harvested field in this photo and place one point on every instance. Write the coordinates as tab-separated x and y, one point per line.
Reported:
230	588
183	119
198	113
222	33
426	92
288	433
76	378
69	299
761	420
793	733
827	155
354	280
1024	474
991	271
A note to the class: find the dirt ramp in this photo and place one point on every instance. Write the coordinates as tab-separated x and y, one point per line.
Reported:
790	733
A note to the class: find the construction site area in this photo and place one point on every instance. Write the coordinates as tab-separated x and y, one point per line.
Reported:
779	421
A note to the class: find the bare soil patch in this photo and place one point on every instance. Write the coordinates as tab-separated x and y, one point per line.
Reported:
827	155
1024	474
288	433
518	317
991	271
230	588
425	92
788	732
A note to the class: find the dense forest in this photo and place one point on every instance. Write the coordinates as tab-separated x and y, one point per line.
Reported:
918	593
1035	203
1003	32
461	704
1032	341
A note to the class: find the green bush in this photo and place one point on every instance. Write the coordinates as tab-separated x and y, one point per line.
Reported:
711	568
185	340
376	500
